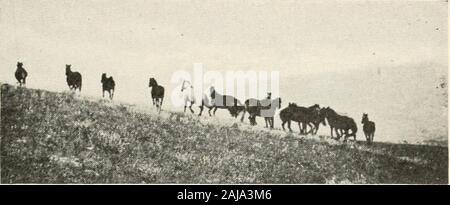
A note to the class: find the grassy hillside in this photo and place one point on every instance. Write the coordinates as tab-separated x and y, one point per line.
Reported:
51	137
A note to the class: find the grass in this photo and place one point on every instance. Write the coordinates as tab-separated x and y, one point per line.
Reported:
49	137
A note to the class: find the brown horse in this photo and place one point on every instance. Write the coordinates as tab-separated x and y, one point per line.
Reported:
108	84
340	123
305	116
74	79
21	74
157	93
263	108
219	101
368	128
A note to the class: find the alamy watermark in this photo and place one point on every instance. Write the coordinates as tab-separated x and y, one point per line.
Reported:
196	85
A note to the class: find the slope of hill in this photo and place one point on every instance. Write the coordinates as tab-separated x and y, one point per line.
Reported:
49	137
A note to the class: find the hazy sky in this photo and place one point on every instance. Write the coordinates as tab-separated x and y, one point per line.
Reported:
133	40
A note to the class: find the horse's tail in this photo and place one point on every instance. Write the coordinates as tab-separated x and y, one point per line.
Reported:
81	83
354	128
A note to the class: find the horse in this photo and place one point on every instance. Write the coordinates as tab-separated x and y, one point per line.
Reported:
264	108
74	79
187	91
157	93
219	101
318	118
368	128
109	85
342	123
21	74
303	115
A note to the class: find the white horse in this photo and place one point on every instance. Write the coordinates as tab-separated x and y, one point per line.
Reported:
187	91
190	99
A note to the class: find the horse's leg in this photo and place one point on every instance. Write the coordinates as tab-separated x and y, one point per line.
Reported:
272	122
209	111
158	105
331	130
311	130
317	128
190	107
346	135
201	109
243	115
185	107
338	133
289	125
266	120
283	123
215	110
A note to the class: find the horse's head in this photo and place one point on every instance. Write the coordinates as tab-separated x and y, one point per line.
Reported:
365	118
329	112
152	82
186	84
103	77
315	107
322	116
68	69
212	92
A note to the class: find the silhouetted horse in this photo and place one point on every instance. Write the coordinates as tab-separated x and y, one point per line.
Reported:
157	94
342	123
219	101
317	119
368	128
73	79
109	85
305	117
21	74
263	108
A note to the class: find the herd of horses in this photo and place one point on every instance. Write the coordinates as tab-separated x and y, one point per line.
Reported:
308	118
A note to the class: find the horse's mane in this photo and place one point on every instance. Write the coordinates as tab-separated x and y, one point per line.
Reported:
292	105
188	82
153	82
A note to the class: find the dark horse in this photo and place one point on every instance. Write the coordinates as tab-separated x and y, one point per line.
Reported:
21	74
157	93
219	101
340	123
368	128
109	85
263	108
305	116
73	79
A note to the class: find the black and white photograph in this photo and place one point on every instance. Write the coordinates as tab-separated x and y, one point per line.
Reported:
227	92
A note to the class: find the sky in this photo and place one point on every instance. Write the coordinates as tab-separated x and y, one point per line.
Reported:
135	40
